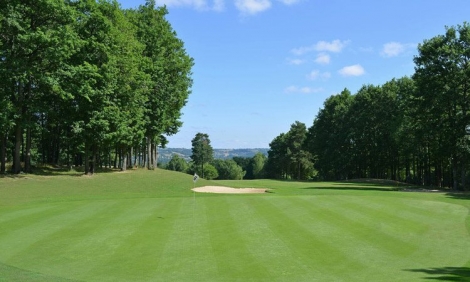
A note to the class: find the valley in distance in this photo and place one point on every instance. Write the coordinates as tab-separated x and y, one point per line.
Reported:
165	154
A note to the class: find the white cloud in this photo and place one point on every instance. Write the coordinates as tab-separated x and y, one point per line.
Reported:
295	61
219	5
315	74
252	7
334	46
203	5
302	90
289	2
392	49
322	59
354	70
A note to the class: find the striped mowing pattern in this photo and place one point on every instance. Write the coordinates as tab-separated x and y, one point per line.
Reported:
232	237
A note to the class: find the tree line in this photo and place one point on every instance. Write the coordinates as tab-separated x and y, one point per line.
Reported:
85	82
409	129
203	163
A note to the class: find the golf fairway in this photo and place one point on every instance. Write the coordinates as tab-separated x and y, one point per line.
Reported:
66	228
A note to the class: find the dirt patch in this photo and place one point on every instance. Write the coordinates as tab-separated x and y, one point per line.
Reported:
229	190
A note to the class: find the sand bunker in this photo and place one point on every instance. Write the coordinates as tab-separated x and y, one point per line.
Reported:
228	190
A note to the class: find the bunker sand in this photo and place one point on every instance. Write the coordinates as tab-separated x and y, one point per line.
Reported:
229	190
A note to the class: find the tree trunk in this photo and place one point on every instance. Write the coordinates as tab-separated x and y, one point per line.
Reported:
464	174
3	153
115	158
149	154
87	161
131	163
17	153
155	158
455	182
124	159
27	160
93	162
144	154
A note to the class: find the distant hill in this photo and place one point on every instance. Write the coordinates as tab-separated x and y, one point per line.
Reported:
164	155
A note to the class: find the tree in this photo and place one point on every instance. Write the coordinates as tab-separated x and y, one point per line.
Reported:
257	164
177	163
202	151
228	169
169	69
328	139
442	75
299	159
246	164
210	172
36	39
276	166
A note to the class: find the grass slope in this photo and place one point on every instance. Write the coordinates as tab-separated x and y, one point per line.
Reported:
148	226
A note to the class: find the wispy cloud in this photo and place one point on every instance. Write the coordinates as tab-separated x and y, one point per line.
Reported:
322	59
251	7
302	90
393	49
289	2
316	74
354	70
202	5
334	46
295	61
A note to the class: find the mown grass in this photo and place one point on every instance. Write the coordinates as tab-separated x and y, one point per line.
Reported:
149	226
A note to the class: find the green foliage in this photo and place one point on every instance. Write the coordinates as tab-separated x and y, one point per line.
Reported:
202	151
288	156
257	164
209	172
83	78
442	96
408	129
177	164
228	169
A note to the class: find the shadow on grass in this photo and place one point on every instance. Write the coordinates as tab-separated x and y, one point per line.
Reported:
445	273
11	273
356	187
57	171
459	195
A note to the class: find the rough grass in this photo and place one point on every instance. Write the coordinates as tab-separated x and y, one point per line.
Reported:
149	226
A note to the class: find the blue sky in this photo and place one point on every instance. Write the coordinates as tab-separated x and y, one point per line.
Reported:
261	65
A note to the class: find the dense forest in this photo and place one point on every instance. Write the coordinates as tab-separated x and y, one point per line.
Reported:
84	82
409	129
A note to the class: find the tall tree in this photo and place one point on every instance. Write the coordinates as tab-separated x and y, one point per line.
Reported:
300	160
442	75
257	165
202	151
277	164
36	39
169	69
329	138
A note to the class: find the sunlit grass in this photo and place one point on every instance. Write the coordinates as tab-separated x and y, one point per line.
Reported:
149	226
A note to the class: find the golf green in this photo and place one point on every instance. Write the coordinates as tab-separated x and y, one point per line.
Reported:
149	226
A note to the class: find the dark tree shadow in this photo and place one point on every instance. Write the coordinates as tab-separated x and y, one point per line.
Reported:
355	188
58	171
445	273
459	195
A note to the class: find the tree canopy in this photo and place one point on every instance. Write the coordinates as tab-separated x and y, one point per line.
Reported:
84	79
408	129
